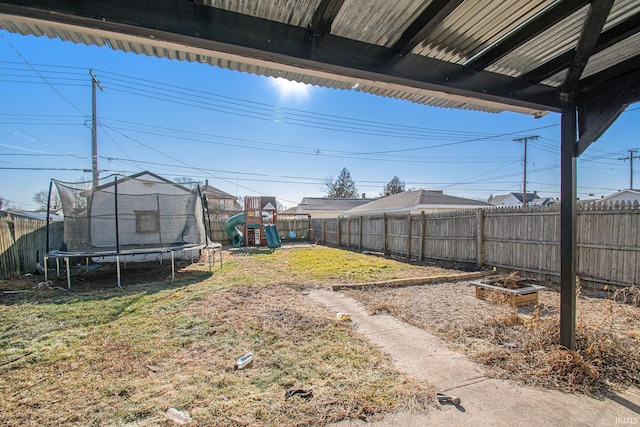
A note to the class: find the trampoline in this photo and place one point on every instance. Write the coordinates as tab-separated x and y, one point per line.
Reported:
141	214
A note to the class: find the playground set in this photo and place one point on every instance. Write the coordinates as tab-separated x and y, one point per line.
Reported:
256	226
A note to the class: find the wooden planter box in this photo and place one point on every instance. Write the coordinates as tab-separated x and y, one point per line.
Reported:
525	292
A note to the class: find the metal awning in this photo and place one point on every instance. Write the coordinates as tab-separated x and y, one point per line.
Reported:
469	54
579	58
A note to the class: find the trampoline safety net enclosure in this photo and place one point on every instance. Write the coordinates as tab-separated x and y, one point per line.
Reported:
143	213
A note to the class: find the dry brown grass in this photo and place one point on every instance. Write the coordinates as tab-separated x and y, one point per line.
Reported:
99	355
523	344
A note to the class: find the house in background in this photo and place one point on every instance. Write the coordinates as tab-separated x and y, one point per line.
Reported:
622	195
515	200
415	202
221	205
326	207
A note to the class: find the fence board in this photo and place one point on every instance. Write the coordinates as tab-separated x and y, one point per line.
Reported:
416	231
522	240
23	240
23	244
526	241
9	264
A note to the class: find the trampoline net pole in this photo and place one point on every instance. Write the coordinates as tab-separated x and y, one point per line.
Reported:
66	260
118	269
173	268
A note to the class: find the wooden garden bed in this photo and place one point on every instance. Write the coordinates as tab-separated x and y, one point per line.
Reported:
519	291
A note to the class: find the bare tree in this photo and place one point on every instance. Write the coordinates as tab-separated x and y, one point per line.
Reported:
42	198
188	182
395	186
343	187
71	197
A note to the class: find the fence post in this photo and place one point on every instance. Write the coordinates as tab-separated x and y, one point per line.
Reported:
324	231
384	233
423	232
339	232
349	233
360	233
409	235
480	238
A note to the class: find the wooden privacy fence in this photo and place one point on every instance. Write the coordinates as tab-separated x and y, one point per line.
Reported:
216	231
23	244
525	240
23	240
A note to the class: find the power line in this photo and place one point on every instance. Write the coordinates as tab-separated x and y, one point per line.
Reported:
630	157
354	125
186	164
296	112
39	74
436	134
292	149
45	169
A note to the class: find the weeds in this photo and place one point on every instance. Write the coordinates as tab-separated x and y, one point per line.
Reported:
524	343
628	295
100	355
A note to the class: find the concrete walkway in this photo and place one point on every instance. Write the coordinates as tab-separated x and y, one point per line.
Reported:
485	401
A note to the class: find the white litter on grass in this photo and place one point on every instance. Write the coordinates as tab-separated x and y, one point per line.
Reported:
178	416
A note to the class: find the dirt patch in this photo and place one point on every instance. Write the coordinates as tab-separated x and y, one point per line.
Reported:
523	343
104	276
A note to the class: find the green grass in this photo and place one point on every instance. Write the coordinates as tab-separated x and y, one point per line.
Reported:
325	264
101	355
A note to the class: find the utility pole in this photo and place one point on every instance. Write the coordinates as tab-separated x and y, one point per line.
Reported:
94	130
630	158
525	139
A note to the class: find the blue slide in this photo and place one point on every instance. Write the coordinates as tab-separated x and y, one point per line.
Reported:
231	227
271	233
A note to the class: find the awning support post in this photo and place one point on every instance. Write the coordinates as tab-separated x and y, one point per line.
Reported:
568	219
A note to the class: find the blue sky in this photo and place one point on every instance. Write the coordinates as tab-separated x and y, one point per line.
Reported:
250	135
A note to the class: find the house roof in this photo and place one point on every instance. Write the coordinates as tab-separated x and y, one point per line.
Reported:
542	201
290	211
499	199
530	196
632	193
215	193
414	200
329	204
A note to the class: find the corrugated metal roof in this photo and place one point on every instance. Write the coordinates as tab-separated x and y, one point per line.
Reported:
155	48
379	22
292	12
602	60
476	25
562	37
466	33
